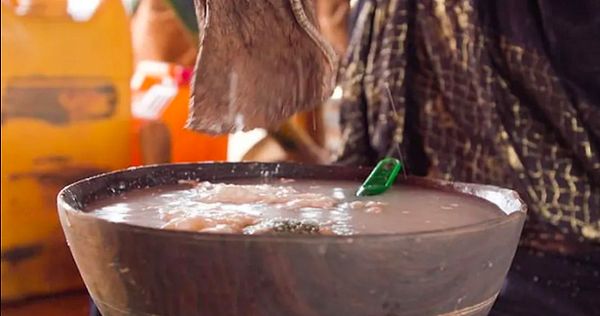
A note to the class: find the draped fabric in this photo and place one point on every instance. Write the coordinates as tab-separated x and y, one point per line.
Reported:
497	92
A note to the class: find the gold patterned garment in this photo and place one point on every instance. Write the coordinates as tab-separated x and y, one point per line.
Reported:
498	92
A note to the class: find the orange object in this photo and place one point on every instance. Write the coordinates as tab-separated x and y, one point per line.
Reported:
160	109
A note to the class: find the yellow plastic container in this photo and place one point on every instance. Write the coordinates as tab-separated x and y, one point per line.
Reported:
66	69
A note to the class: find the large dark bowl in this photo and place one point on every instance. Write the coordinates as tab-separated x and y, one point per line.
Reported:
132	270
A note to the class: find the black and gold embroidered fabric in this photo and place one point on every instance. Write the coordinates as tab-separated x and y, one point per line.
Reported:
498	92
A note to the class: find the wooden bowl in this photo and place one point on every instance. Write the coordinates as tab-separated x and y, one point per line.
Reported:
132	270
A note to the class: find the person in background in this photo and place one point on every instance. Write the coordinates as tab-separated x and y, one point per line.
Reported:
164	30
497	92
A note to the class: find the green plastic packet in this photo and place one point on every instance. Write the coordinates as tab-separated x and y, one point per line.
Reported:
381	178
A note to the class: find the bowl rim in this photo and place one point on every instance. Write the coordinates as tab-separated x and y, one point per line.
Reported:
516	213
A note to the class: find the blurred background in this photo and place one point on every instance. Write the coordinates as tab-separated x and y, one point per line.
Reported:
90	86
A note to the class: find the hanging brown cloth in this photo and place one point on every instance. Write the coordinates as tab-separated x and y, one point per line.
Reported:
259	63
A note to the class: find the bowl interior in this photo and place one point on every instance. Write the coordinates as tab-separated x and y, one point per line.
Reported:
75	197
